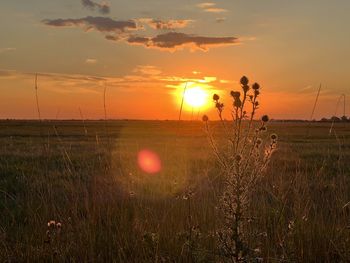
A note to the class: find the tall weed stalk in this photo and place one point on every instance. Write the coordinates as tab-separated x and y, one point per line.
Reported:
243	152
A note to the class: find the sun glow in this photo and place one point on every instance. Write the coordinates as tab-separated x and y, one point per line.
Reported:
195	97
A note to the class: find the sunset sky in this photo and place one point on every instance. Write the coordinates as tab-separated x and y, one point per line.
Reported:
144	51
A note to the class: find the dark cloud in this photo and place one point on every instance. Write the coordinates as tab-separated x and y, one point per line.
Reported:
116	30
103	7
102	24
165	24
139	40
173	40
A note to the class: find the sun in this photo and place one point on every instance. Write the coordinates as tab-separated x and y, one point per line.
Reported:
195	97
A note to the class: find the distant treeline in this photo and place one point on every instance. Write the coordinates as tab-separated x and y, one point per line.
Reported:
332	119
336	119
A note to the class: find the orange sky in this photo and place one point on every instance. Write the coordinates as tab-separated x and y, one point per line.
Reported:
144	55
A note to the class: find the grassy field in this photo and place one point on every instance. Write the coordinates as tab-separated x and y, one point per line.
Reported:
85	176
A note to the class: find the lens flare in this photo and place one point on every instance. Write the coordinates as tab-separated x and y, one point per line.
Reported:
149	161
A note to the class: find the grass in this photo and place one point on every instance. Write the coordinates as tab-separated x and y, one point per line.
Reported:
113	212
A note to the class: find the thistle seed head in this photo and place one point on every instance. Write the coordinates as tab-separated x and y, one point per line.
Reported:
235	94
265	118
216	97
244	81
273	136
256	86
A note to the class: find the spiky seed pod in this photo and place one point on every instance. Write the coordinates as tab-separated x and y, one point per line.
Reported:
235	94
273	136
256	86
219	106
263	128
244	81
265	118
205	118
216	97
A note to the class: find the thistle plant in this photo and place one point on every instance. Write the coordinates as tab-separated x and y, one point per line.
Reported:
243	158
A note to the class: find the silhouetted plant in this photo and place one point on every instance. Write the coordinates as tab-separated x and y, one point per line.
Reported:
243	160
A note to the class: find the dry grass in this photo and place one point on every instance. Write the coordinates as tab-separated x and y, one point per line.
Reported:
112	212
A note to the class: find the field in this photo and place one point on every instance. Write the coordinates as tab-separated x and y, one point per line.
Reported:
84	175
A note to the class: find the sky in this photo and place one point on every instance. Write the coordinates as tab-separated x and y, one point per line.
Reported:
136	56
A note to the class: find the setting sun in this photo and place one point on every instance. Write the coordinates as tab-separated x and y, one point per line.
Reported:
196	97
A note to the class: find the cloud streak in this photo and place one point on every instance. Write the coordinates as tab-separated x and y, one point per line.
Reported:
211	8
174	40
91	61
103	7
101	24
165	24
7	49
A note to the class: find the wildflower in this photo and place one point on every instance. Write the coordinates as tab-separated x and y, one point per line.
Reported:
216	97
291	225
51	223
258	141
205	118
265	118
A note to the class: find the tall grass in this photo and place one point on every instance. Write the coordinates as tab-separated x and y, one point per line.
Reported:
110	211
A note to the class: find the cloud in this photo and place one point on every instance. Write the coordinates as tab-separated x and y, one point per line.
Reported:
91	61
147	70
7	49
103	7
121	30
165	24
101	24
174	40
220	19
211	8
143	76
